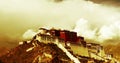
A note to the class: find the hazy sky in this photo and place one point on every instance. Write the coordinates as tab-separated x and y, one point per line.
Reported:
17	16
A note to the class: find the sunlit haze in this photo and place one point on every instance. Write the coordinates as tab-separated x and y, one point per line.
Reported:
93	21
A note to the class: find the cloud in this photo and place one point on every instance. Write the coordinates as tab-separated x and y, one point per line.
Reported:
111	31
17	16
29	34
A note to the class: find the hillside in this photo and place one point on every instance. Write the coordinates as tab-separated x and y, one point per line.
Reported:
35	52
113	49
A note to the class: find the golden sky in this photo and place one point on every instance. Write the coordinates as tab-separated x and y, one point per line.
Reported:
17	16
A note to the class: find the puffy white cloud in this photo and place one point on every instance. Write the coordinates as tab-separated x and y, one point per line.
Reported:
16	16
29	34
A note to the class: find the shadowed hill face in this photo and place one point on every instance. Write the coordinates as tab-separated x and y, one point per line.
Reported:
3	51
8	42
107	2
47	53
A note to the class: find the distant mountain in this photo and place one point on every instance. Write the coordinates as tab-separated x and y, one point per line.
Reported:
3	50
107	2
113	49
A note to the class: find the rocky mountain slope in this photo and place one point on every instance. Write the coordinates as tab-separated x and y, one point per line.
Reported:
35	52
113	49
